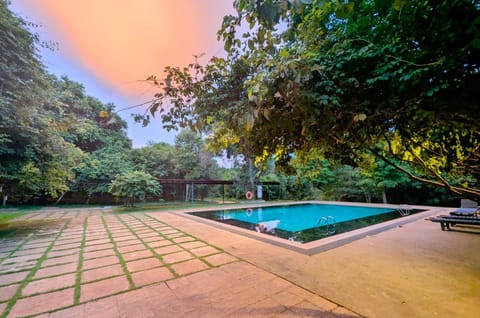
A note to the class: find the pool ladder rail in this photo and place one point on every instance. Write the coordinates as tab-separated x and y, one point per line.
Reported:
329	222
404	210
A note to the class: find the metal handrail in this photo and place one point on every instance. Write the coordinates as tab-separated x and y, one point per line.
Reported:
329	222
404	210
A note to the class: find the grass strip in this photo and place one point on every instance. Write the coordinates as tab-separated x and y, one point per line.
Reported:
118	254
78	278
159	256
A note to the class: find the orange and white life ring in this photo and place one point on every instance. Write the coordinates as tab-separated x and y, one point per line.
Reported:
249	195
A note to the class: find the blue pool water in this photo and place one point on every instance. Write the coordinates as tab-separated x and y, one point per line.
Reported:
303	222
301	217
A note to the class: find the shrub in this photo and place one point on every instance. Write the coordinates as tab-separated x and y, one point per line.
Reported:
134	185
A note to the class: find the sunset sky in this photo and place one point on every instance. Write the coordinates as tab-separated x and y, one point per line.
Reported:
110	46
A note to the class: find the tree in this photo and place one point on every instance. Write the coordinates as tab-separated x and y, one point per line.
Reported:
335	181
96	172
134	185
191	158
155	158
377	175
34	158
53	137
84	120
345	77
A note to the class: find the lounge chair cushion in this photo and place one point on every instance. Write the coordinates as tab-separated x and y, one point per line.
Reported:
466	211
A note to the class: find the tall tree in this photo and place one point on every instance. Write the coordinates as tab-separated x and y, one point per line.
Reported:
191	158
156	159
378	176
47	125
344	76
94	128
29	141
84	120
96	172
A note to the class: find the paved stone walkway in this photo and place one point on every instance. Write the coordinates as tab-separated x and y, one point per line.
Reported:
89	263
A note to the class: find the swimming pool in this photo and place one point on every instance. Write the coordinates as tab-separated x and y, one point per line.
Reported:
303	222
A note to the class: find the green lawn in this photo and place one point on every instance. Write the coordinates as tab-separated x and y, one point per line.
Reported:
5	217
161	206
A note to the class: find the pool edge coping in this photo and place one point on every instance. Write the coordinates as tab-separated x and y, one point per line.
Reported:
321	245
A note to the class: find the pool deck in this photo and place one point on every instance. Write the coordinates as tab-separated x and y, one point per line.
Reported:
93	263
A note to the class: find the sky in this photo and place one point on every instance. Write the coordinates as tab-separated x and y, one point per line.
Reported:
111	46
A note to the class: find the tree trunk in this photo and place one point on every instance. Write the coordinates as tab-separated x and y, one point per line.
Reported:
251	177
60	198
384	196
4	200
368	196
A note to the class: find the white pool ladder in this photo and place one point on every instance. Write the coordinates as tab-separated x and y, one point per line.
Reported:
404	210
329	222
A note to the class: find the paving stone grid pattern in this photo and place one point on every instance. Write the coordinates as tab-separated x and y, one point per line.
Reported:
94	263
87	256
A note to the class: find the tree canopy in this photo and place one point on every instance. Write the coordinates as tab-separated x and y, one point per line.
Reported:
48	125
134	185
337	93
397	79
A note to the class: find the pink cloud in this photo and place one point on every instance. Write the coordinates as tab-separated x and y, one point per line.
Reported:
122	42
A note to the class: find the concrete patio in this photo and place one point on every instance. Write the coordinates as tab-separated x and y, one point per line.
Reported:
89	263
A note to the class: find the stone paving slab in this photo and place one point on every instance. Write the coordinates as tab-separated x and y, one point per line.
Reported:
98	264
42	303
102	273
102	288
49	284
55	270
151	276
7	279
71	258
8	292
98	253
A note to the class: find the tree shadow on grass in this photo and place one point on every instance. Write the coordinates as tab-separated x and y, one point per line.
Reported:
40	228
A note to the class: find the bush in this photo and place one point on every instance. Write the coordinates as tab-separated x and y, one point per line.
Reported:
134	185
